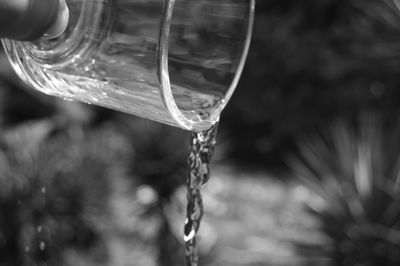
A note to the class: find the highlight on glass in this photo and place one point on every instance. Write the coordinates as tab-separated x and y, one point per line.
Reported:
173	61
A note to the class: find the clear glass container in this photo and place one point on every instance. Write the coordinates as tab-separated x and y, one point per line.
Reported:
173	61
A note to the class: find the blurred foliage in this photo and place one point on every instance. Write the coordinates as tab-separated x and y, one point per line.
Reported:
311	62
48	192
355	171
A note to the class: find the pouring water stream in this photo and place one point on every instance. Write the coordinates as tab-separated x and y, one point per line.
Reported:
201	150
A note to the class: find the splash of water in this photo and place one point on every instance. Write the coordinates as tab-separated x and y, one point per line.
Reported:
201	151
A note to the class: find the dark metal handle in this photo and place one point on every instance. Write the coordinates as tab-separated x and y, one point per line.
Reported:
27	20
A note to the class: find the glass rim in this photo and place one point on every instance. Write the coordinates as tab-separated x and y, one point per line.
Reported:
68	48
163	69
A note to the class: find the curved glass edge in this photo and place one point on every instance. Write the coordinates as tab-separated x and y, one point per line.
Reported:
245	52
163	71
17	60
71	45
12	58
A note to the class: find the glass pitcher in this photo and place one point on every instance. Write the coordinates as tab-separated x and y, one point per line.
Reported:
173	61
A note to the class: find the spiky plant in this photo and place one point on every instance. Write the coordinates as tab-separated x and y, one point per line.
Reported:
356	172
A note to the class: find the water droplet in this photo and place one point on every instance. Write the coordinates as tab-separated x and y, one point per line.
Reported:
189	231
27	248
42	246
39	229
43	190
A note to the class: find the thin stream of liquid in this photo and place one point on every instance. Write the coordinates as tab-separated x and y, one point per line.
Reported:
201	150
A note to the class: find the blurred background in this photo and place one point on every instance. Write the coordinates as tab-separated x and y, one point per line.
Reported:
306	169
